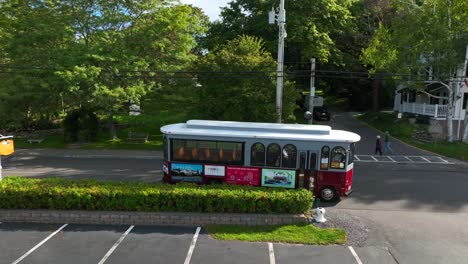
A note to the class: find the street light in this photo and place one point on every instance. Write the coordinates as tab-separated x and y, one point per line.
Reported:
281	21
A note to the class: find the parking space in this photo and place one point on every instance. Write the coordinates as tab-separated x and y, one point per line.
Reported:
313	254
77	244
211	251
41	243
16	239
154	244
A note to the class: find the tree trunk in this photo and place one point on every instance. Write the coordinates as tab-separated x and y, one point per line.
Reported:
450	116
112	130
375	95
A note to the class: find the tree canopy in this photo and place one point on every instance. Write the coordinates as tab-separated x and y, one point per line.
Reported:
241	83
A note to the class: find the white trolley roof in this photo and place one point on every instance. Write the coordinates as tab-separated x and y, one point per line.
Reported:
231	129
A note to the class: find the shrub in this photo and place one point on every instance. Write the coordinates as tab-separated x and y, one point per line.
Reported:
81	125
59	194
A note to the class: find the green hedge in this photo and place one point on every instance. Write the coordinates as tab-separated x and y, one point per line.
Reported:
59	194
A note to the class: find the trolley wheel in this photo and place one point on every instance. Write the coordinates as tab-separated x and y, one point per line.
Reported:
327	194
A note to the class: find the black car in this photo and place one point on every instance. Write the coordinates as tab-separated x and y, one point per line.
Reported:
321	113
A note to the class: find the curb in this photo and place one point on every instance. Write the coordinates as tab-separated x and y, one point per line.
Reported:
146	218
65	154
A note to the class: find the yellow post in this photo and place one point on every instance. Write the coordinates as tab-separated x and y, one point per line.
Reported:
6	148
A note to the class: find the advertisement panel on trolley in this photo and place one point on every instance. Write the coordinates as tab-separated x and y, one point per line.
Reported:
279	178
187	172
243	175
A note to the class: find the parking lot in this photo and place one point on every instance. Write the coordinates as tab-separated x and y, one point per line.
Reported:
62	243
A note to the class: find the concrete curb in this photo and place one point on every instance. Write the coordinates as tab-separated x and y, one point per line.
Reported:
115	154
146	218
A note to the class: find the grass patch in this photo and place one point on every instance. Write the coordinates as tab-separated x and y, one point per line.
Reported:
403	130
154	143
51	141
298	234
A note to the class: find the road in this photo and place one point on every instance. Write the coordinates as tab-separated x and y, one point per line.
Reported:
416	211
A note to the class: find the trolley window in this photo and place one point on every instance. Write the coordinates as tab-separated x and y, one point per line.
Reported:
289	159
257	155
338	158
324	157
166	148
273	155
351	154
203	151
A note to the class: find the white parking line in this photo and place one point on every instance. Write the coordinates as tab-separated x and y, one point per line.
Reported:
192	246
426	159
374	158
358	260
116	245
390	158
40	244
271	253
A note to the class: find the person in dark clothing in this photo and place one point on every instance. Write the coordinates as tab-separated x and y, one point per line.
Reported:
378	146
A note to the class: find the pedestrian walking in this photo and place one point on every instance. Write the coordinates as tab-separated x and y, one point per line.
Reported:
378	146
387	147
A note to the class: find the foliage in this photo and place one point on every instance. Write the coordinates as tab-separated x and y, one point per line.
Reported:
247	89
298	234
424	34
311	22
96	54
56	193
81	125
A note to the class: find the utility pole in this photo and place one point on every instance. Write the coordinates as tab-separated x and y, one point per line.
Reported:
281	20
312	88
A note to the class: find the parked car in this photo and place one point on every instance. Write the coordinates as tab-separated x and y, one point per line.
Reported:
321	113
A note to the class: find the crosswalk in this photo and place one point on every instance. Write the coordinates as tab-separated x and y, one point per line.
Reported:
402	159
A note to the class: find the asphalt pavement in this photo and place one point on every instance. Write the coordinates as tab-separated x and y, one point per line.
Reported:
62	243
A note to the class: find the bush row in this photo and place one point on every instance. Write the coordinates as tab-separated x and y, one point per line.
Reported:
59	194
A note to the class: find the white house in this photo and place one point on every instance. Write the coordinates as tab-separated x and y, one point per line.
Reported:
414	102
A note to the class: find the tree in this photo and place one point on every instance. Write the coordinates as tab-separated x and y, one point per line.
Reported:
426	38
33	39
123	45
241	85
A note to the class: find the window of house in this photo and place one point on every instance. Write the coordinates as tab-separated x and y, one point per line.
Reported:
289	156
273	155
338	158
324	158
257	155
465	100
412	97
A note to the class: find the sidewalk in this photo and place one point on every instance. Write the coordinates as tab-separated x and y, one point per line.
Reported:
90	153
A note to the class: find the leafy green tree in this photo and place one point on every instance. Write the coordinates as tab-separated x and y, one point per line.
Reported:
123	46
310	25
33	39
426	38
241	85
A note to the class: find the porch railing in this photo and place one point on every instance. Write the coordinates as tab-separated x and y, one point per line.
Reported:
436	111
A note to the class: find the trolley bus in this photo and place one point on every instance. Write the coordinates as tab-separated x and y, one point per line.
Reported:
315	157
